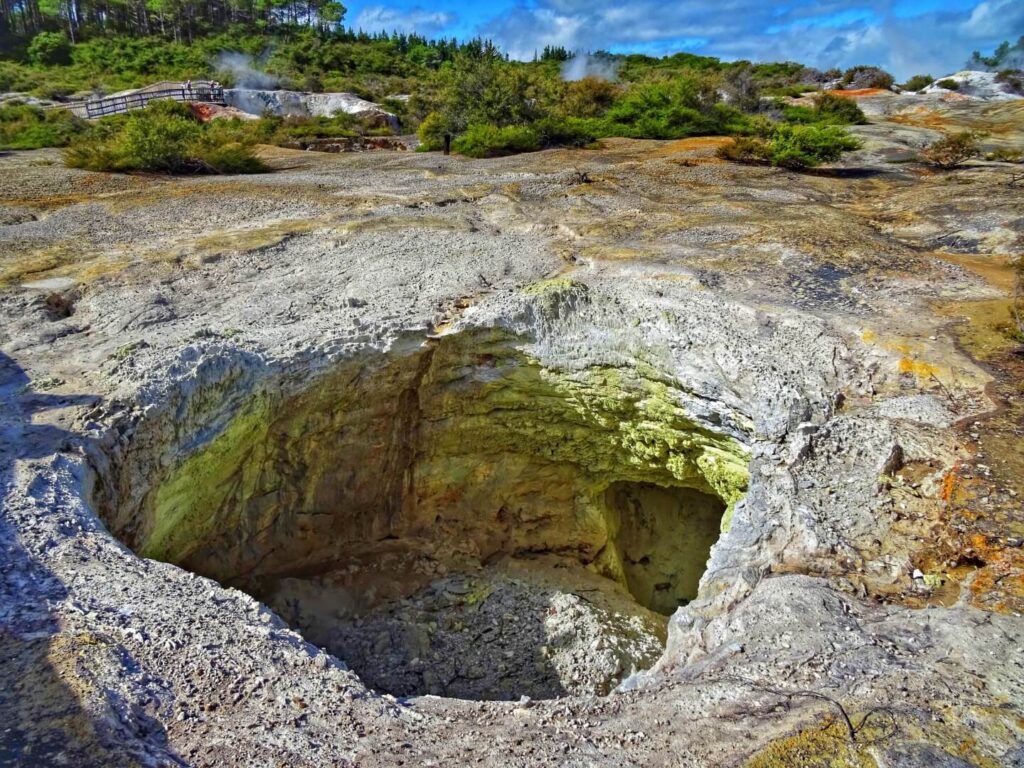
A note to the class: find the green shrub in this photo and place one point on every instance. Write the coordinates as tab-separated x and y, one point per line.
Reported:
485	90
159	138
746	149
18	78
949	84
867	77
918	83
828	109
805	146
676	109
432	131
229	157
797	113
481	140
838	110
26	127
952	150
567	131
50	48
589	97
791	146
164	137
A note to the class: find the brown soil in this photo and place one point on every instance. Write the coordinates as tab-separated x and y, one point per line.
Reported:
856	92
980	531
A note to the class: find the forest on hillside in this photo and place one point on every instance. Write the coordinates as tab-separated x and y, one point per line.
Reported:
62	50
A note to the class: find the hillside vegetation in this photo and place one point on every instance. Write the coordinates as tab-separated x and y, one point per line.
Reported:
468	90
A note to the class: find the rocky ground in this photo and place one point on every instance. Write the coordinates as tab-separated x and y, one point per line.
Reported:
421	374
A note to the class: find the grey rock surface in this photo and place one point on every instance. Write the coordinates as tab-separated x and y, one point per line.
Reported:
803	330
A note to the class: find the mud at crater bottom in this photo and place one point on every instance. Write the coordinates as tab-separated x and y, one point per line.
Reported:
543	628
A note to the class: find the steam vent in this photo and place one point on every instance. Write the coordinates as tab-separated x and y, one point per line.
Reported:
620	456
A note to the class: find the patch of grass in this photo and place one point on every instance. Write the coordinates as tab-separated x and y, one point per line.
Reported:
752	150
838	110
826	746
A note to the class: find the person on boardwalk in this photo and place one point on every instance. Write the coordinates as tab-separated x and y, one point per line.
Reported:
188	89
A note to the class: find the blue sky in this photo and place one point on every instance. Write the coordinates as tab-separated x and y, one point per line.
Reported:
905	36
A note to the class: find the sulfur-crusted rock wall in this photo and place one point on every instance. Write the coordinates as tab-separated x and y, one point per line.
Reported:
448	453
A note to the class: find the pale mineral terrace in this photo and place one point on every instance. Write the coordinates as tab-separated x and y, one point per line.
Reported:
471	428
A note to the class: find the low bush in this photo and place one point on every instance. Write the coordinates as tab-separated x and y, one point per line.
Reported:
949	84
432	131
164	137
791	146
567	131
482	140
838	110
867	77
23	126
672	110
828	109
805	146
589	97
50	48
746	149
918	83
18	78
1006	155
338	126
792	91
1013	78
952	150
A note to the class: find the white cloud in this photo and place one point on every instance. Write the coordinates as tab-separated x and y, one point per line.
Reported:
830	33
993	18
376	18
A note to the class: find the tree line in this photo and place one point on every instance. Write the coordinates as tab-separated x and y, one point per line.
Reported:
179	20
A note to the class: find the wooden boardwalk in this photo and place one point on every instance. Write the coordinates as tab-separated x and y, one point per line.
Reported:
199	90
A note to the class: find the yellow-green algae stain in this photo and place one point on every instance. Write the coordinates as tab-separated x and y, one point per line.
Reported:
468	445
187	500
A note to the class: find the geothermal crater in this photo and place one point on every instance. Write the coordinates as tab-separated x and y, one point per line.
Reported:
473	427
451	517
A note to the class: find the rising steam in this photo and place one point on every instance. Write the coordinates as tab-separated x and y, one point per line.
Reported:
243	71
583	65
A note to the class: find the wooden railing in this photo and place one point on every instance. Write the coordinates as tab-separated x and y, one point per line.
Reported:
199	90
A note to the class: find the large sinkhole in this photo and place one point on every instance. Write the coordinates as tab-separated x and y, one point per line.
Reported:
449	518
